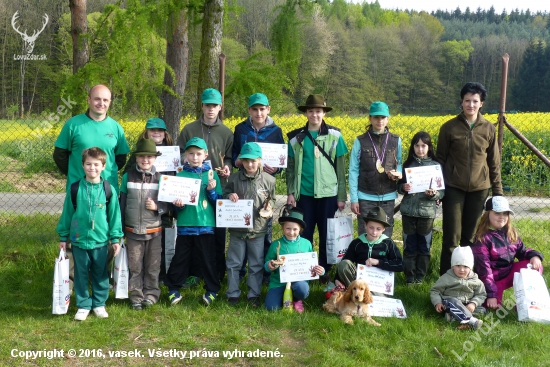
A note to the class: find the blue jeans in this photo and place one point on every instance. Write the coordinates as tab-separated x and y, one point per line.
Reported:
274	297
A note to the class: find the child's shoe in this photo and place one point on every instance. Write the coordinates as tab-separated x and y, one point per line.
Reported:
146	303
254	301
448	317
101	312
208	298
174	297
299	306
136	306
475	323
81	314
233	300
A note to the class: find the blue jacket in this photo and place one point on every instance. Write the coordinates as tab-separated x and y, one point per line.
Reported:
245	132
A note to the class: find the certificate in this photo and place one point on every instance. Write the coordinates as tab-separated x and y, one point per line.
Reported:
422	177
298	267
169	160
173	187
274	155
378	280
387	307
234	215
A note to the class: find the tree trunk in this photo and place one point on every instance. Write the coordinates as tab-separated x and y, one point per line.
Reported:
211	47
79	30
177	57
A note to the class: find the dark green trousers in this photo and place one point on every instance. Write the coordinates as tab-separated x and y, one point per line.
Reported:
90	266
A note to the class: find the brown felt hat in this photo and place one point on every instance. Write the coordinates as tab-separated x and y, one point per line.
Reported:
315	101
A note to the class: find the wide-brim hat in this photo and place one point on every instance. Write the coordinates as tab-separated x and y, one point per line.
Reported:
377	214
251	150
196	142
498	204
146	147
315	101
155	123
293	214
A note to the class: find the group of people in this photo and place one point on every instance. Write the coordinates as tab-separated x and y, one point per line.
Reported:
92	148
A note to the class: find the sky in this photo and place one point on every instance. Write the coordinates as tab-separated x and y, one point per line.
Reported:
450	5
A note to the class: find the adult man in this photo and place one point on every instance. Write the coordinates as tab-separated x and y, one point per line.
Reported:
91	129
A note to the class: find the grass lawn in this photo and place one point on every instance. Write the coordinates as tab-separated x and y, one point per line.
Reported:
312	338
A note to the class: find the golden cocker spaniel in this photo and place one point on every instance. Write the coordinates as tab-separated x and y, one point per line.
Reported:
353	302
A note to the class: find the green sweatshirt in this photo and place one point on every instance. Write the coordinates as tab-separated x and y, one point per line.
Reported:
287	247
77	226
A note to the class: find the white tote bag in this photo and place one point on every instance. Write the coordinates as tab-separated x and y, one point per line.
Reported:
61	289
532	299
339	236
121	273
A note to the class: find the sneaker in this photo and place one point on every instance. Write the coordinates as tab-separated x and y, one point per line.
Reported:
191	282
233	300
101	312
448	317
254	301
410	281
419	281
81	314
147	303
208	298
299	306
476	324
174	297
136	306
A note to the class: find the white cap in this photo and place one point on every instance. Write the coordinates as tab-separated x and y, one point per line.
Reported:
463	255
498	204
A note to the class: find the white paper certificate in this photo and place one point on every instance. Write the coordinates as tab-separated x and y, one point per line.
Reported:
172	188
234	215
387	307
421	177
298	267
274	155
169	160
378	280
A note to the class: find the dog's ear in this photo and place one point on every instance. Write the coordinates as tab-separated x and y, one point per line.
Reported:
347	295
367	297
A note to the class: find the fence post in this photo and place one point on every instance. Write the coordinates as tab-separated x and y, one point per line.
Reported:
502	107
222	82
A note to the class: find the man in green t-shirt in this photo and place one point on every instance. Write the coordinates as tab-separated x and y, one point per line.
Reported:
92	129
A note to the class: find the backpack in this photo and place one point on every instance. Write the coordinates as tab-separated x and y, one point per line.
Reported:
106	188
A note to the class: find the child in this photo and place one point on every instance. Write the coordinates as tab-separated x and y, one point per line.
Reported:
292	223
374	168
418	211
196	226
459	292
155	128
316	175
90	227
141	217
372	248
496	245
219	142
260	128
249	183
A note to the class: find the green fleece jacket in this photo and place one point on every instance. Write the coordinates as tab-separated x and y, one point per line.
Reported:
90	227
466	290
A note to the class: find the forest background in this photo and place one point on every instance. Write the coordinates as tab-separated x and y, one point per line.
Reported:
351	53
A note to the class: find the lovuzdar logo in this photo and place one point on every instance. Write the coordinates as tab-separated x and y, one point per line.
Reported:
28	41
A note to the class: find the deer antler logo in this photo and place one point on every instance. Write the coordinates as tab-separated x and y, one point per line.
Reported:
192	196
176	162
246	219
282	159
388	286
438	181
28	40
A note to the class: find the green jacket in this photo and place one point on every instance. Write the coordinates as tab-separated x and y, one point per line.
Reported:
418	205
257	188
471	159
466	290
77	226
328	181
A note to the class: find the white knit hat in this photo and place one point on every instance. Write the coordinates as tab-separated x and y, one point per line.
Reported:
463	255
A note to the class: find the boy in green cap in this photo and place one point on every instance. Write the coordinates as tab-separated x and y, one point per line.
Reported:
196	224
219	143
142	221
250	183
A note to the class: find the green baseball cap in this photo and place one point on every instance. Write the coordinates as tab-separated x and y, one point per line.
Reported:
211	96
155	123
258	99
251	151
196	142
379	109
